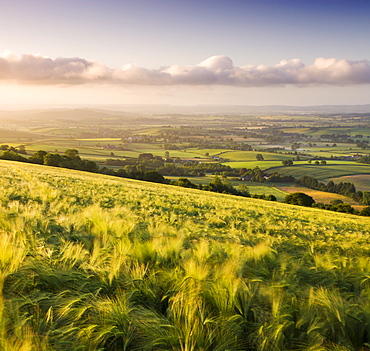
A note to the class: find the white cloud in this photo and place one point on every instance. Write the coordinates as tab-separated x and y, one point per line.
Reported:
216	70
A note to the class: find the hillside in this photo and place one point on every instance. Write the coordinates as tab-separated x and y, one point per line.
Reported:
91	262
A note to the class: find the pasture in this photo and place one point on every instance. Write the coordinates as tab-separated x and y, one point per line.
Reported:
323	171
264	165
240	156
361	181
352	131
267	189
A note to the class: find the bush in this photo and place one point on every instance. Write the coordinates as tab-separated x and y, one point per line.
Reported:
13	156
365	211
185	183
153	176
300	199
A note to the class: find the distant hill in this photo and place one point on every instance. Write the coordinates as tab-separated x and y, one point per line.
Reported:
106	111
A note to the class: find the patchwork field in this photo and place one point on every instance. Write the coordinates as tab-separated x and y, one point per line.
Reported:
252	164
91	262
251	156
323	171
266	189
351	131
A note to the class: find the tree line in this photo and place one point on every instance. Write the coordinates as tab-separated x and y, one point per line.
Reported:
343	188
71	159
302	199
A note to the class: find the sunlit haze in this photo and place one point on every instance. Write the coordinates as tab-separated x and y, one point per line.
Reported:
184	52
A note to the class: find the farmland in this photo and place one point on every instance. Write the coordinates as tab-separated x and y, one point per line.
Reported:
320	146
319	196
92	262
325	171
361	181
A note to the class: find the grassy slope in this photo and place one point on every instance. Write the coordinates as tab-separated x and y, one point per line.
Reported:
93	262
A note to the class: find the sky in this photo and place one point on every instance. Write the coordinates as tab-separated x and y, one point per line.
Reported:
230	52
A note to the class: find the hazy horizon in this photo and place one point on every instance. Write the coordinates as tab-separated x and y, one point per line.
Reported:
216	109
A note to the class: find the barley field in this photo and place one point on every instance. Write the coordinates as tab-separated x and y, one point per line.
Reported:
92	262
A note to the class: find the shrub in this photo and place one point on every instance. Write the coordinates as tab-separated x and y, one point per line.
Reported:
300	199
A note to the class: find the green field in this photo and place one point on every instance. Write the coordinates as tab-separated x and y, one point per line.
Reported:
251	156
211	152
351	131
323	171
88	147
361	181
340	150
254	188
264	165
267	189
91	262
8	136
60	131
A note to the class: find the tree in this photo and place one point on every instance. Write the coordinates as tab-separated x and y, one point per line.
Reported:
257	175
278	178
364	159
219	186
259	157
121	173
52	159
365	211
185	183
89	166
13	156
38	157
287	163
295	146
72	153
309	182
153	176
300	199
146	156
271	197
244	190
22	150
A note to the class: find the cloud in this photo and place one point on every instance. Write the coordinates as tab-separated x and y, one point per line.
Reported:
216	70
